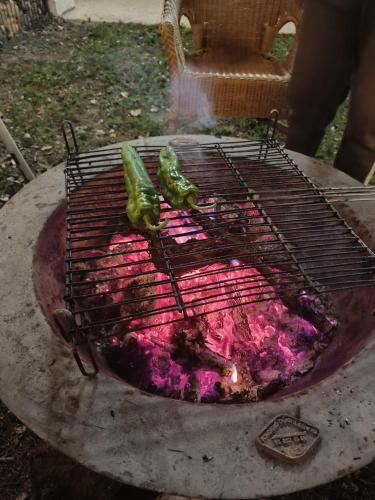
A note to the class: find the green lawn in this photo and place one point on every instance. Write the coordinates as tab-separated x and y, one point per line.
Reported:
98	76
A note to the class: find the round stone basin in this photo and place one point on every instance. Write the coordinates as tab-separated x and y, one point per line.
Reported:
154	442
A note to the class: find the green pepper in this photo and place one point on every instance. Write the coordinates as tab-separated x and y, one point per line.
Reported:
177	190
143	207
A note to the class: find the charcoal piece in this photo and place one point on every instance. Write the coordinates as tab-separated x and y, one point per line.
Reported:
161	363
191	352
191	390
269	375
183	257
320	346
261	254
132	362
305	366
138	295
100	304
245	389
228	213
268	389
316	312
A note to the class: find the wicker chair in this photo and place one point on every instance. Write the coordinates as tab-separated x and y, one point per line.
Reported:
230	73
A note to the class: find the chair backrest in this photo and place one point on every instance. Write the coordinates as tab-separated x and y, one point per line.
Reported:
239	24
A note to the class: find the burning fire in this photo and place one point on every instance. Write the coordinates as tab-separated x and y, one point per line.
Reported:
225	349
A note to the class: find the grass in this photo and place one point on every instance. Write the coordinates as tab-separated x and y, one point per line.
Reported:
95	75
82	73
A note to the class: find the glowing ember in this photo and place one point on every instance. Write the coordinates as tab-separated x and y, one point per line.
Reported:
223	349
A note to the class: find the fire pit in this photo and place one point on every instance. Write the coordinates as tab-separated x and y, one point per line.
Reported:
162	444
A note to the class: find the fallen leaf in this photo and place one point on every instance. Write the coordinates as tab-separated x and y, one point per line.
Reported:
46	148
93	101
20	429
124	94
135	112
22	496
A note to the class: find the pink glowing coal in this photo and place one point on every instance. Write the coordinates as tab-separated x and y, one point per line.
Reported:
226	348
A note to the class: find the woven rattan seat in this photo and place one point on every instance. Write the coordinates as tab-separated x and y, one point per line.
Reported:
231	70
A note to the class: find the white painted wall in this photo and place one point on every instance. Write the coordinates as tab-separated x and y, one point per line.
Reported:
59	7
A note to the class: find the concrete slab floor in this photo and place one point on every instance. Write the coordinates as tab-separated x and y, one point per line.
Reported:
125	11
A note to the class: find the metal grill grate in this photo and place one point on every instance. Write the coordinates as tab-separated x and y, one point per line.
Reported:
269	218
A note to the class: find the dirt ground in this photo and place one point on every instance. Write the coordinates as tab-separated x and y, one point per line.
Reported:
112	82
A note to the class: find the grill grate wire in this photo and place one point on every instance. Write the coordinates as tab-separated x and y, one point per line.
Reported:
289	231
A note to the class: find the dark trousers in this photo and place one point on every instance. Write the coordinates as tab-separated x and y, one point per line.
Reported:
336	55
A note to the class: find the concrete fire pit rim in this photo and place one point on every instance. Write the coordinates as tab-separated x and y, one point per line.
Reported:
150	464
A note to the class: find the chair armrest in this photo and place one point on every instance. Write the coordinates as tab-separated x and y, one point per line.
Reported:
171	34
271	32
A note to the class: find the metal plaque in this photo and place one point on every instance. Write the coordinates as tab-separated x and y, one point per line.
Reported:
288	439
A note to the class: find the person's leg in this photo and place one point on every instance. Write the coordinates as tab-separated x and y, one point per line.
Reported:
321	75
356	155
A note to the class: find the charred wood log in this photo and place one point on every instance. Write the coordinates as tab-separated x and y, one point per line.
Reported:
190	351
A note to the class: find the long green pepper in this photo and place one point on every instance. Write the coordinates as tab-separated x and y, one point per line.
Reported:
177	190
143	207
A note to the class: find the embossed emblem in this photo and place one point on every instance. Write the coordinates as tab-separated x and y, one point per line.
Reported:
288	439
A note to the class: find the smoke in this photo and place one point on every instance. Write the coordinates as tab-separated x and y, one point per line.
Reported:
193	105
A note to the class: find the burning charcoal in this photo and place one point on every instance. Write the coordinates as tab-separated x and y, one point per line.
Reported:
161	364
305	361
184	339
190	351
138	292
99	302
132	362
225	212
182	228
269	389
286	285
232	350
315	311
175	380
305	366
320	346
212	360
128	339
244	389
269	376
307	305
163	345
185	256
88	260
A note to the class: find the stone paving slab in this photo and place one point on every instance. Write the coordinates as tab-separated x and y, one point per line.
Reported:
125	11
